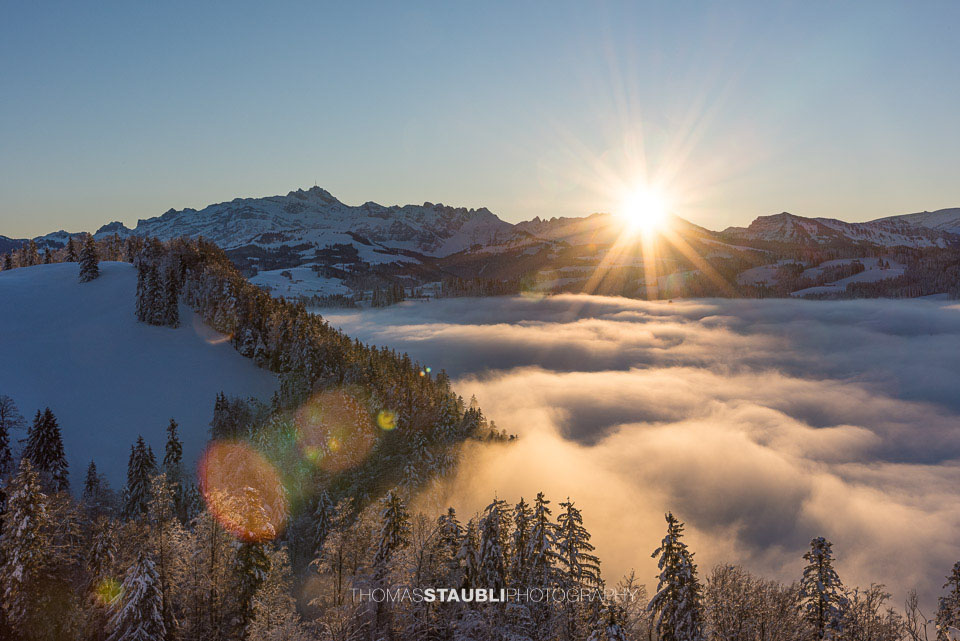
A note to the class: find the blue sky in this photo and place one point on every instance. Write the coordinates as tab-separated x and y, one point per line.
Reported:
122	110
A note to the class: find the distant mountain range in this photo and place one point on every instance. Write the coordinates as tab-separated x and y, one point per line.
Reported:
309	243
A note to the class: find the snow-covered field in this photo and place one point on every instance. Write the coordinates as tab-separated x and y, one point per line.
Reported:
298	281
78	349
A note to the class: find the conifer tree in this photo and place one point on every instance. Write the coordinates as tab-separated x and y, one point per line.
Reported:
608	627
574	549
170	298
44	448
324	517
542	546
138	615
140	469
71	250
7	262
10	419
24	549
89	263
47	257
143	304
173	469
821	592
450	534
948	610
394	533
94	491
32	254
493	538
677	602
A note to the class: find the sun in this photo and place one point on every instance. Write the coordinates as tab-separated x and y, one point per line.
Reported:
644	209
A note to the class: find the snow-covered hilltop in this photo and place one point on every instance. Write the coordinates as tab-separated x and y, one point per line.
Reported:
895	231
107	377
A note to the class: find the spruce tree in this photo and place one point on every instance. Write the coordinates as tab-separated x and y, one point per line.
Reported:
324	517
89	263
10	419
32	254
173	469
394	533
677	602
143	304
574	549
92	497
138	614
71	250
948	610
493	539
44	448
542	552
24	549
821	594
140	468
170	297
7	262
450	534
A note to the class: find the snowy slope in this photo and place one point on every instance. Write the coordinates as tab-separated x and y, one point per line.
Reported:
947	220
889	232
78	348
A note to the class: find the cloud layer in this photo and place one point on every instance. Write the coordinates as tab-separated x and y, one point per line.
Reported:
760	423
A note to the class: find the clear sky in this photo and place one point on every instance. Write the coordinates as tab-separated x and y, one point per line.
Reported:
119	111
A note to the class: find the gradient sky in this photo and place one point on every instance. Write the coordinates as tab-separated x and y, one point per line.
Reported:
123	110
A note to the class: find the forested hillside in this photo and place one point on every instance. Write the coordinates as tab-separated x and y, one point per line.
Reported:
317	515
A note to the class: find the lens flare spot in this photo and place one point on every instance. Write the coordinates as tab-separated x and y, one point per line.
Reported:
338	426
243	491
387	420
107	591
207	333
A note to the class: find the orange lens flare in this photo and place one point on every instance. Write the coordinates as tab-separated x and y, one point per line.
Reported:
243	491
335	430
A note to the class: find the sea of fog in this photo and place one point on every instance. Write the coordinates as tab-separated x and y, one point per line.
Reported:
760	423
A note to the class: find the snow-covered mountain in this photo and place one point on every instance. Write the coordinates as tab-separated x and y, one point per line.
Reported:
315	219
947	220
107	377
888	232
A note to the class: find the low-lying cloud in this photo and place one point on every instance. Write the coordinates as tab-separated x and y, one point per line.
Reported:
759	423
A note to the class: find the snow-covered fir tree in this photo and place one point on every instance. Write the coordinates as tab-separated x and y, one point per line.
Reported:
608	626
89	261
24	549
71	250
948	607
140	470
678	600
44	448
822	596
173	470
10	420
138	613
394	533
574	550
274	609
494	533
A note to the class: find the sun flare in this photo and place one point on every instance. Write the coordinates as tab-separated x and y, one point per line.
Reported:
643	210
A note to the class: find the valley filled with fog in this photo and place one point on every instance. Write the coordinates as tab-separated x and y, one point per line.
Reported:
761	423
